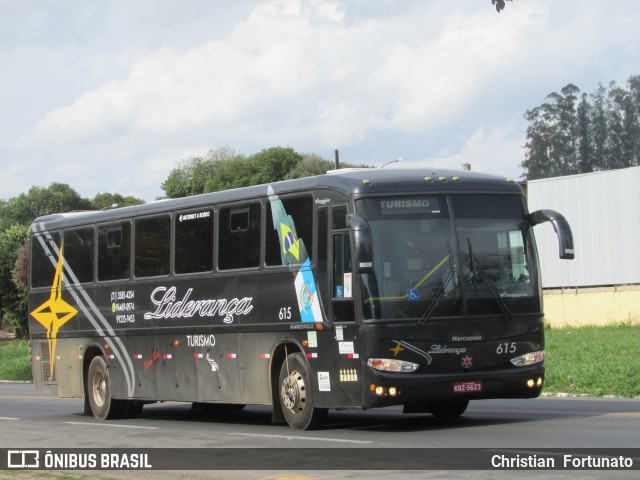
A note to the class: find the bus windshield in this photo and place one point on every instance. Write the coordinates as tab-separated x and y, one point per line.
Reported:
445	256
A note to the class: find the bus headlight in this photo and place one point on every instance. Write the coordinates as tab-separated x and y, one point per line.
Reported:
392	365
530	358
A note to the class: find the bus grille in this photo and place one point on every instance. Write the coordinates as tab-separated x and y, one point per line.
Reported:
45	365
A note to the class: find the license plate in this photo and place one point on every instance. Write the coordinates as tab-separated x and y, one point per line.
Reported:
466	387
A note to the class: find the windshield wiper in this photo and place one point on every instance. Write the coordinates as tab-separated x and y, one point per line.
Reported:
477	272
439	293
442	288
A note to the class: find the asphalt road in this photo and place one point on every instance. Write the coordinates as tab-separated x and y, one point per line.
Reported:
29	419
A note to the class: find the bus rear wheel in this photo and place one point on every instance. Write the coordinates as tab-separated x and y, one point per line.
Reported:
296	396
102	405
448	409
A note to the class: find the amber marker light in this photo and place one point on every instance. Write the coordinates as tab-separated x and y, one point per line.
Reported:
176	343
106	346
305	343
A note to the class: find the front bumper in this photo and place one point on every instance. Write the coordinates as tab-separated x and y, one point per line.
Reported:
526	382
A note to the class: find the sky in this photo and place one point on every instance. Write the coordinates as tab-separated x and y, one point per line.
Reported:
110	96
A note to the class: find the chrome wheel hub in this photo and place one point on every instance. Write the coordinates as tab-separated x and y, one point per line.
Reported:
293	392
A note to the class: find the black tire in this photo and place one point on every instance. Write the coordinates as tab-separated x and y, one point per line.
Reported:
296	395
448	409
102	405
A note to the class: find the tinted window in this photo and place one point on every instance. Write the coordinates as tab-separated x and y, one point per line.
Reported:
321	260
152	246
114	251
497	267
339	218
78	253
342	268
194	241
415	263
294	228
427	265
239	237
43	260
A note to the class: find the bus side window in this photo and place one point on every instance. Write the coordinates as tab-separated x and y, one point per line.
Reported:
78	253
343	310
42	267
322	262
153	242
239	237
194	241
339	218
300	209
114	252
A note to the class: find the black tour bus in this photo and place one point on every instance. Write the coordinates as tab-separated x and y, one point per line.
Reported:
359	289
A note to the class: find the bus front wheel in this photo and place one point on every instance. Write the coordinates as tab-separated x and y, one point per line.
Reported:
296	396
447	409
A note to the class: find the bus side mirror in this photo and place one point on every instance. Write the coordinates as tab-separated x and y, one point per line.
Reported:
363	243
562	228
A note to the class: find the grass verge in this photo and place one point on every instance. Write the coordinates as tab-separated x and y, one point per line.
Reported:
593	361
589	361
14	360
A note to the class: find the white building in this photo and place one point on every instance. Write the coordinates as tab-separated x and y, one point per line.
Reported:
603	209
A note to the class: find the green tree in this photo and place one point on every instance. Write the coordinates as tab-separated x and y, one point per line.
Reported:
56	198
104	201
626	124
600	132
224	169
537	163
585	135
616	150
552	143
599	129
13	306
273	164
634	106
269	165
190	177
233	173
560	130
310	165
